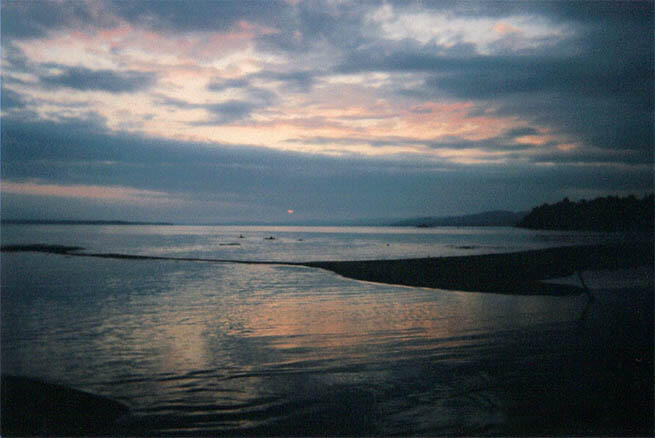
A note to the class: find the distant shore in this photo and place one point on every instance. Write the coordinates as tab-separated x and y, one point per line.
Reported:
516	273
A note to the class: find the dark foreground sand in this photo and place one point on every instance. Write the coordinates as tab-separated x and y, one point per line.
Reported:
34	408
518	273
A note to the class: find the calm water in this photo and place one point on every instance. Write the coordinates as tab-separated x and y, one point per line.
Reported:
221	348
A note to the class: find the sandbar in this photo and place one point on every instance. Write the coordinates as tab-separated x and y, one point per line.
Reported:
516	273
519	273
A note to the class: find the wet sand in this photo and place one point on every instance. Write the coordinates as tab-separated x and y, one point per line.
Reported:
517	273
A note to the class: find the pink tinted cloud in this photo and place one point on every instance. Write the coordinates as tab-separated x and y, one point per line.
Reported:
210	45
504	29
434	119
105	193
124	44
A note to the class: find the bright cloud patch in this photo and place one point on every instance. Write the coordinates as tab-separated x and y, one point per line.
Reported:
447	29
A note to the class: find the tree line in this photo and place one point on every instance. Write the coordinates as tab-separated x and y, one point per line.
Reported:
611	213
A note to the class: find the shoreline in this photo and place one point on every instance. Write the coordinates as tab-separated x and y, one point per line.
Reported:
514	273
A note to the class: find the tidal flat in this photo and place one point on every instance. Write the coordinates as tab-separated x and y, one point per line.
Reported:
192	341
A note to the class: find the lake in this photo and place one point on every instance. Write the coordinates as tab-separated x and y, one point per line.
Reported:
198	348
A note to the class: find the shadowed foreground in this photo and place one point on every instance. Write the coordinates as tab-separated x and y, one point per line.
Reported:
518	273
31	407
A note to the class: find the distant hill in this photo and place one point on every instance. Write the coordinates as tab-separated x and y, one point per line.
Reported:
498	218
601	214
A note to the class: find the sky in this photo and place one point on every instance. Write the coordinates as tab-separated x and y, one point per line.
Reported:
265	111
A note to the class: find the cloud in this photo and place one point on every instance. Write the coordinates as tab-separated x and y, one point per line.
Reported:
373	141
225	111
205	15
229	111
33	19
594	83
95	192
11	100
505	142
224	84
310	28
605	104
220	113
637	160
101	80
297	81
483	77
290	81
520	132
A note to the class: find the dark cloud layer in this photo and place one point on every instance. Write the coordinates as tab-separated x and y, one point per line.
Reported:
100	80
85	153
596	85
10	100
229	111
504	142
31	18
224	112
203	16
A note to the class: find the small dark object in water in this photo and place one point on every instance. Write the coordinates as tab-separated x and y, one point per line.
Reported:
269	238
241	236
229	244
464	246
